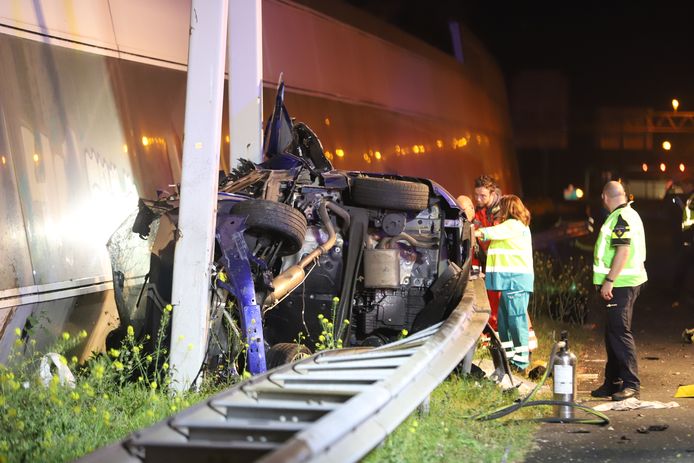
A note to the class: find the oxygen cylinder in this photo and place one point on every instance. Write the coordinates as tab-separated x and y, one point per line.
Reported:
564	374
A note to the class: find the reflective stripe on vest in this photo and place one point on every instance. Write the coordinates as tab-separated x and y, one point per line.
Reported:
687	220
510	250
634	272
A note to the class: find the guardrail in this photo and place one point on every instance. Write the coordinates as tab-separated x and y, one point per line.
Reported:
334	406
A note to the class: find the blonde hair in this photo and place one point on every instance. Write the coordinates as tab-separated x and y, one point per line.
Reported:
511	207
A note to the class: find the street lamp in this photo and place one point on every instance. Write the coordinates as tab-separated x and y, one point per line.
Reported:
675	104
667	145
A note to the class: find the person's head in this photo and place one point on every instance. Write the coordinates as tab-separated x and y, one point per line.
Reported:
485	191
511	207
466	205
613	195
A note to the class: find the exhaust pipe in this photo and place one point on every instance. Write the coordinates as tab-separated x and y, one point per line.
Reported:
287	281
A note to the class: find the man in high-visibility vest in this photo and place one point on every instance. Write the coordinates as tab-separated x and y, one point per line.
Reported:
619	272
685	260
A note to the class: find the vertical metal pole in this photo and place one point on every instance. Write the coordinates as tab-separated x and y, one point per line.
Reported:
245	80
198	206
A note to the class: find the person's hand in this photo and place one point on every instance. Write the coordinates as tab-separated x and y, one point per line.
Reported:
606	290
479	234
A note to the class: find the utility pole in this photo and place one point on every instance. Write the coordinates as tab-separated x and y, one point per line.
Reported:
245	80
198	206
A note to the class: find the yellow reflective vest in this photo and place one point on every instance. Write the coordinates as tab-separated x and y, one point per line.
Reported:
510	257
634	271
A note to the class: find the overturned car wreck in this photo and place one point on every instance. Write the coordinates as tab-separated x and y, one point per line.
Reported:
374	254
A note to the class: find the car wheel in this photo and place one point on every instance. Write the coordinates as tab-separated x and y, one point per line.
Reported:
285	352
277	221
390	194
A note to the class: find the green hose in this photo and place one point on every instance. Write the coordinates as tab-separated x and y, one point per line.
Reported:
602	419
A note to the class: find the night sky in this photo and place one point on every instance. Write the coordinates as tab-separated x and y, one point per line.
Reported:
613	53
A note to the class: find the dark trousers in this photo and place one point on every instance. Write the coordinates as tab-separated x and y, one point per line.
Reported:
619	340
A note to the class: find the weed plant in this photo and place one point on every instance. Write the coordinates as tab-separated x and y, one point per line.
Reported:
113	394
562	289
331	335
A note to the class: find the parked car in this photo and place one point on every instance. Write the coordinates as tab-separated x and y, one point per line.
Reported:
372	254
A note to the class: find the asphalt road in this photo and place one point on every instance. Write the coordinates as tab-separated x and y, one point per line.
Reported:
665	363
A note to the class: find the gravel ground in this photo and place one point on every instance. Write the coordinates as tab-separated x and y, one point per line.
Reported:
665	363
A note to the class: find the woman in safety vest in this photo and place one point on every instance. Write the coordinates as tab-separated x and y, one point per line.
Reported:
510	270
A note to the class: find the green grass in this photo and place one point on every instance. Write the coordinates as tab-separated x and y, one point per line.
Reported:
112	395
448	433
60	424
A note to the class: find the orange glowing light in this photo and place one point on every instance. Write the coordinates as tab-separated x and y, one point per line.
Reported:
125	148
340	153
4	161
667	146
328	154
579	193
421	149
462	142
675	104
327	121
681	167
644	167
145	141
415	149
397	149
36	157
662	167
377	155
227	139
439	143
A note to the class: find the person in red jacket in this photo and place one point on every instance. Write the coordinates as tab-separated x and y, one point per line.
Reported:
487	195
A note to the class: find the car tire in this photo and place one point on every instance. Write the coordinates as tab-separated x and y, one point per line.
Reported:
390	194
285	352
278	220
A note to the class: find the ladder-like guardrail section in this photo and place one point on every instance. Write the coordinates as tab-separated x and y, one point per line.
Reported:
334	406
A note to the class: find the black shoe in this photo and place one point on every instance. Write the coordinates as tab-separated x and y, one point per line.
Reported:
606	390
626	393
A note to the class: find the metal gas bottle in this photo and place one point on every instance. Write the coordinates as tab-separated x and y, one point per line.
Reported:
564	374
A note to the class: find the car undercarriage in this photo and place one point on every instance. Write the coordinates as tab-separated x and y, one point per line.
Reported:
301	248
